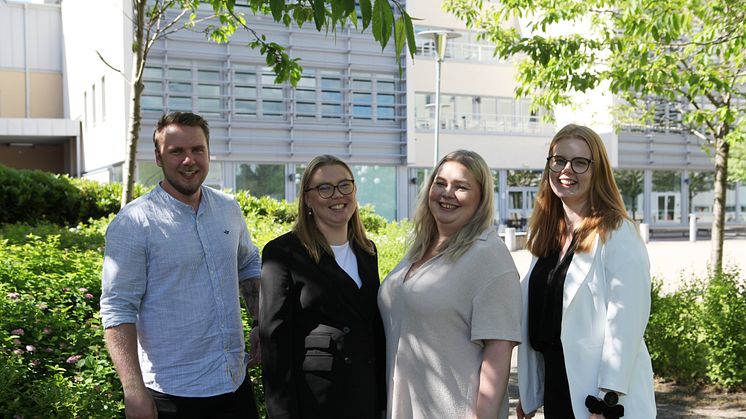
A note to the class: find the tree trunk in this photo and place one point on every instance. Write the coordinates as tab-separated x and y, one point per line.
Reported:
136	88
718	205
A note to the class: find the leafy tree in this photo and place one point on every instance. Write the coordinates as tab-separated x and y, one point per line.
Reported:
156	19
691	53
631	184
699	182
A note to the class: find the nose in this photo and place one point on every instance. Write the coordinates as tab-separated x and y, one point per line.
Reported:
188	159
568	167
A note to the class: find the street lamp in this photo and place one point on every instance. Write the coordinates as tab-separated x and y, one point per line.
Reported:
439	38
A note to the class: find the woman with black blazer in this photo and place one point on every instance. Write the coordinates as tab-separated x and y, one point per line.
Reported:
321	335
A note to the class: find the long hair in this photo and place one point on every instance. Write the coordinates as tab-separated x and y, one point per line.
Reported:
547	224
425	229
305	226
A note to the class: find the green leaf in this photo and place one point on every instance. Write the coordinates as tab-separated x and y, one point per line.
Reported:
319	14
399	38
366	11
276	6
411	43
383	22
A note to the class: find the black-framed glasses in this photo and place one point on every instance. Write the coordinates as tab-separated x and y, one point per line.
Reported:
326	190
579	165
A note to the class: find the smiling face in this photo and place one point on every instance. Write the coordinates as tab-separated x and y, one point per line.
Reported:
333	213
453	198
571	188
183	156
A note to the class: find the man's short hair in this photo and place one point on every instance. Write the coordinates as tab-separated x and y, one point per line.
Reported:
181	118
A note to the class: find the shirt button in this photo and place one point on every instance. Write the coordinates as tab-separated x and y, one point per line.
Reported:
348	360
346	329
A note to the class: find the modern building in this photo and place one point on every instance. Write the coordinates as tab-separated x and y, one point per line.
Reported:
65	67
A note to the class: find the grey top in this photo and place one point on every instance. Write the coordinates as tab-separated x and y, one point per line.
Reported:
436	322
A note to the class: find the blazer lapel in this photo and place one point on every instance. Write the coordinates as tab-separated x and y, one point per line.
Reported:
577	273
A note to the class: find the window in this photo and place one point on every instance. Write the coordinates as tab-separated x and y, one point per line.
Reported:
376	185
179	89
93	103
244	93
152	95
261	179
305	95
103	98
331	94
272	97
209	84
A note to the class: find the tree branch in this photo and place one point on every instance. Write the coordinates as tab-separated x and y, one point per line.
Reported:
112	67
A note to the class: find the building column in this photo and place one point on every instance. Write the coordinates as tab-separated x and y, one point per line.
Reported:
684	210
502	197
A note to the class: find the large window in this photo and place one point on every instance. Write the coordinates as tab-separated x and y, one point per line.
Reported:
261	179
376	185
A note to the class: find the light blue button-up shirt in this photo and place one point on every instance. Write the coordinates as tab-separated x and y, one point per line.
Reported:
174	273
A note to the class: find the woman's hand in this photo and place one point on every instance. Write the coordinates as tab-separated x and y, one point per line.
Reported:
522	415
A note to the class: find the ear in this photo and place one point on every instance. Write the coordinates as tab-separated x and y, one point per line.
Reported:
158	158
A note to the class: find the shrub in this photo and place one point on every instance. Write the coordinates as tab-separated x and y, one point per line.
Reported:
50	330
697	333
674	334
723	319
33	195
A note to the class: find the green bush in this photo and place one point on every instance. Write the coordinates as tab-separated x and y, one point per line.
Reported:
33	195
50	330
724	323
674	335
698	333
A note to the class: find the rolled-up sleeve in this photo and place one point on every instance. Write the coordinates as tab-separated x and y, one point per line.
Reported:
124	273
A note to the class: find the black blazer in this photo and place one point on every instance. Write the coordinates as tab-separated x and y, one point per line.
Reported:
322	341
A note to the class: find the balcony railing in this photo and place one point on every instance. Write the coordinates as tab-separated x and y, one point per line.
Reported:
525	124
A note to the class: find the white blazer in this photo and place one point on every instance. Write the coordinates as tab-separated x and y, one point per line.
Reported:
605	310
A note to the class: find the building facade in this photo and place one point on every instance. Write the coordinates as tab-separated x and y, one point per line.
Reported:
352	102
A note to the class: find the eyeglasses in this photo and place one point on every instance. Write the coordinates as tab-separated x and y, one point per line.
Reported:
579	165
326	190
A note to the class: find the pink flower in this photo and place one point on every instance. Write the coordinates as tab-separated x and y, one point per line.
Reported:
17	342
66	289
42	306
35	363
47	330
88	296
83	289
17	332
73	359
48	350
18	351
13	295
30	348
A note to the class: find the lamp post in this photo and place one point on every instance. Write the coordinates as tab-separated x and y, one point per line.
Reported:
439	38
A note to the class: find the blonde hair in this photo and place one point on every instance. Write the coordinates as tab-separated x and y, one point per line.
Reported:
547	226
305	225
425	229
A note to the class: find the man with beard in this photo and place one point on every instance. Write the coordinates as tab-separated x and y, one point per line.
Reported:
175	262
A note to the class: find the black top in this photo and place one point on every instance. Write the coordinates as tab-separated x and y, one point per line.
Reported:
545	293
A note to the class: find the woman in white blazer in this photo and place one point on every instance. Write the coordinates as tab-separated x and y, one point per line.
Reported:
587	295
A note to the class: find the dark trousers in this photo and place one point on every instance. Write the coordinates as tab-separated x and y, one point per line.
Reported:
240	404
